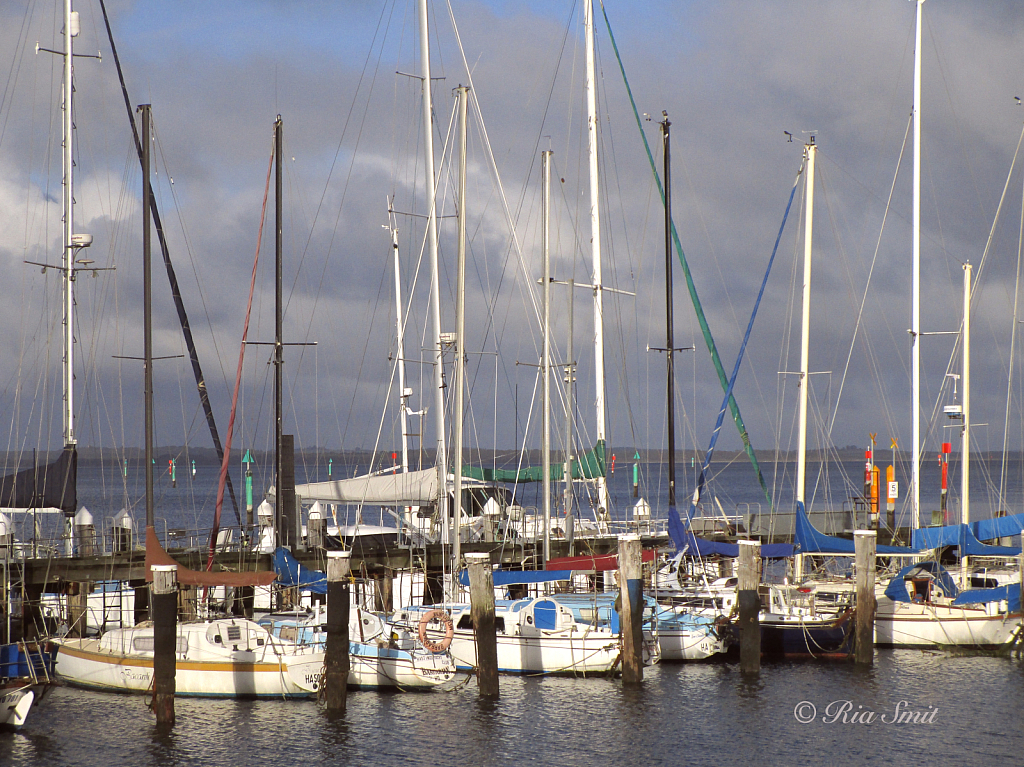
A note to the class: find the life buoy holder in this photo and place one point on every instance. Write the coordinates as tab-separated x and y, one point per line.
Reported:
449	630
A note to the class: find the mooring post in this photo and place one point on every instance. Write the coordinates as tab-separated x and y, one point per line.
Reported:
750	607
383	598
78	608
631	608
141	591
864	547
164	605
336	661
1020	571
316	529
481	600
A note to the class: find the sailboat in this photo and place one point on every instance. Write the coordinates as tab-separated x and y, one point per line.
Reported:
26	667
922	606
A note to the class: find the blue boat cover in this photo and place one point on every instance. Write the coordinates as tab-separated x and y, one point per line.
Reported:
897	589
963	538
810	541
1010	592
291	573
691	545
1001	527
515	577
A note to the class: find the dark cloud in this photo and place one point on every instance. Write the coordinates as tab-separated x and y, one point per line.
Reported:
732	76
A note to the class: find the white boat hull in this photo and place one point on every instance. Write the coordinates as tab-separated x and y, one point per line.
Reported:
420	671
912	624
687	645
81	663
577	654
15	703
229	658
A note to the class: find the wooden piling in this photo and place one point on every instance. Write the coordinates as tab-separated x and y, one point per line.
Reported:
383	598
244	598
864	544
316	529
164	602
78	605
748	579
141	591
433	586
631	608
336	660
481	599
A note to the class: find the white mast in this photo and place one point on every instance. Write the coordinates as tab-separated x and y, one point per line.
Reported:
71	29
403	396
810	151
460	342
545	368
435	286
965	457
915	315
595	236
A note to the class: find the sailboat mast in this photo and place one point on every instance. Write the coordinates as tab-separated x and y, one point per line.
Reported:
283	537
915	288
403	396
435	276
669	323
460	343
965	457
595	239
545	368
810	152
570	407
147	309
71	29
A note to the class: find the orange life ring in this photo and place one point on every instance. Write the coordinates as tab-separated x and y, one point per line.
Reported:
449	630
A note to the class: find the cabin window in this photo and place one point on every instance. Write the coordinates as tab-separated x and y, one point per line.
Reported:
145	644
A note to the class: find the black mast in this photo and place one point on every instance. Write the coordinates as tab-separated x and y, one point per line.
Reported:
670	345
283	536
147	309
172	278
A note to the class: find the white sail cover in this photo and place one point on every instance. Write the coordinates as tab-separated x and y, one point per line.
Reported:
413	488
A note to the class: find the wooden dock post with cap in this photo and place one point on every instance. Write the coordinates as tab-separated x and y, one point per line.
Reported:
631	608
481	598
164	604
865	546
750	607
336	660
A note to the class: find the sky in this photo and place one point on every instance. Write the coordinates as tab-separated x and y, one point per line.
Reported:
734	77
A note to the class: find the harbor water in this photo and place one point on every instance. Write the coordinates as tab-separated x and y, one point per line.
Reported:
929	707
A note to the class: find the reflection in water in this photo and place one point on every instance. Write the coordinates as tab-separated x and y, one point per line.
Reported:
681	712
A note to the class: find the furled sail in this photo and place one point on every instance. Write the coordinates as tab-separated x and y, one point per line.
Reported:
52	486
413	488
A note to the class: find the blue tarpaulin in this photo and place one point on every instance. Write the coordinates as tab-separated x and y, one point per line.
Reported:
810	541
897	589
1010	592
963	538
516	577
1001	527
291	573
691	545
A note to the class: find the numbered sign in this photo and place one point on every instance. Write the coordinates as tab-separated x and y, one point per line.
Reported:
894	489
